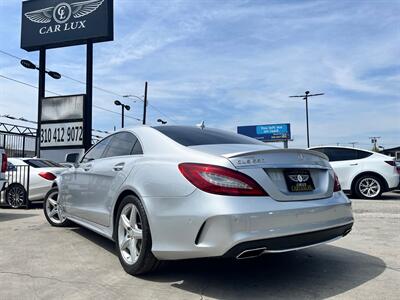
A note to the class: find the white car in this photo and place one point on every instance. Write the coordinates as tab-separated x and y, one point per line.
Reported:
364	173
36	173
3	168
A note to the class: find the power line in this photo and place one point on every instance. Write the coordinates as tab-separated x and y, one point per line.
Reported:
95	87
57	94
114	112
28	84
11	55
159	111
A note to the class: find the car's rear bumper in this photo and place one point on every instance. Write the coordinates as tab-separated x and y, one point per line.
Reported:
393	181
288	243
205	225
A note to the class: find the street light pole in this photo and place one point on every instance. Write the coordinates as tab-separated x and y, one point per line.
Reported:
41	95
305	97
41	89
123	117
123	107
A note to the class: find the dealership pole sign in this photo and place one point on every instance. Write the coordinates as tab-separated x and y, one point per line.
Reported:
62	122
55	23
267	133
49	24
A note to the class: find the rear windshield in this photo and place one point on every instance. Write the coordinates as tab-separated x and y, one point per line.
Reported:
194	136
40	163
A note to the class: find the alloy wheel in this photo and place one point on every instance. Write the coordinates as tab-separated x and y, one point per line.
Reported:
130	234
53	210
16	196
369	187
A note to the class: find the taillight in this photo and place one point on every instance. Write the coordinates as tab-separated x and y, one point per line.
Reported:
3	162
391	162
219	180
336	184
47	175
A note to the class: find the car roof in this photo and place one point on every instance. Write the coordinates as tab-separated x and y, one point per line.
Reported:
342	147
359	149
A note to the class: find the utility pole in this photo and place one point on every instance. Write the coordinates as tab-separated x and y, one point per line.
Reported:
144	99
305	97
353	143
374	140
145	103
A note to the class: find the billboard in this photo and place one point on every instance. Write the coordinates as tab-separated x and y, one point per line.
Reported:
267	133
59	23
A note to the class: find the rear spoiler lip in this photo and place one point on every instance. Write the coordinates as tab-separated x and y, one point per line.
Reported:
292	150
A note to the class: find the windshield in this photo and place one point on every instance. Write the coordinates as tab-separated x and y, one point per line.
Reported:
195	136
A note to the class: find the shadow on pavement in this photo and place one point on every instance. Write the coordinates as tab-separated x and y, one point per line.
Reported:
95	238
392	196
318	272
321	272
5	216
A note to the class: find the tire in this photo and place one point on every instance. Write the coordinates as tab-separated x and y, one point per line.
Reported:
52	211
16	195
368	187
133	237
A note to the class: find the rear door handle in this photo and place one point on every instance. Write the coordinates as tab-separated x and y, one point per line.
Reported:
119	167
87	167
354	164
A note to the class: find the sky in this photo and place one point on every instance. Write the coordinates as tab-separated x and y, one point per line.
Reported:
231	63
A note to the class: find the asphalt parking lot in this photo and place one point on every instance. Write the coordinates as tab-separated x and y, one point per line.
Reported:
41	262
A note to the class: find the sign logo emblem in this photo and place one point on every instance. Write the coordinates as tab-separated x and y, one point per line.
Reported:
299	178
62	12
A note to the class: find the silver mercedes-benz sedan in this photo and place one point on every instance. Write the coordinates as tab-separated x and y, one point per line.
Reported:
179	192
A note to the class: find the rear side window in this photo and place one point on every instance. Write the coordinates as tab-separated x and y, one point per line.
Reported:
363	154
96	151
339	154
137	149
194	136
121	144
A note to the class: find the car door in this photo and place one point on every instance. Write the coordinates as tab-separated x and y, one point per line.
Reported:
344	161
107	174
75	190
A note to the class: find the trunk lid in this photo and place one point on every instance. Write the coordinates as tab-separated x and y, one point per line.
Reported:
285	174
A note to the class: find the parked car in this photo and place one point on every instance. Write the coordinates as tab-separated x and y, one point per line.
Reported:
363	173
39	177
179	192
3	168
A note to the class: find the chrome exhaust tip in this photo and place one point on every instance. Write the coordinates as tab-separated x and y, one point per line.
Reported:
251	253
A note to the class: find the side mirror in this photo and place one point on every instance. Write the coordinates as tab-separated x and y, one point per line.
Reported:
11	167
72	158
